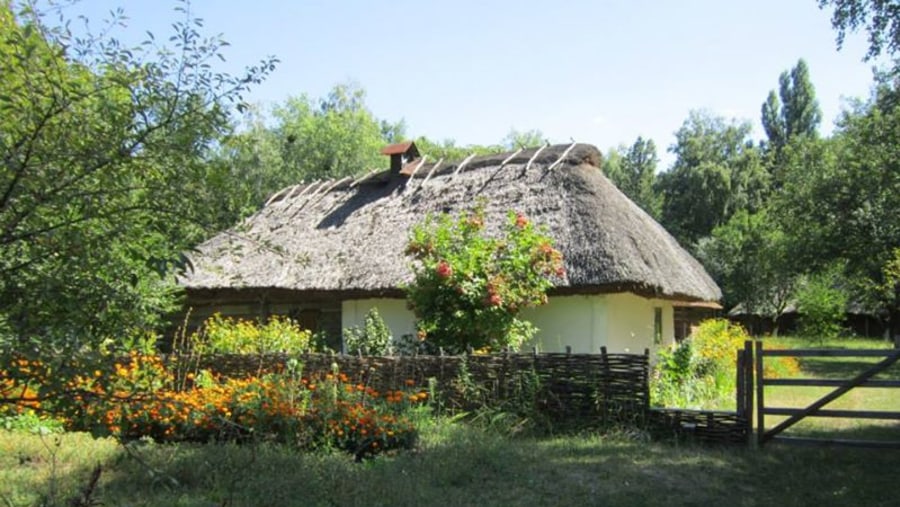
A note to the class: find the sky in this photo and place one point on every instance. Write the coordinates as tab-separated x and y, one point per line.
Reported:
601	72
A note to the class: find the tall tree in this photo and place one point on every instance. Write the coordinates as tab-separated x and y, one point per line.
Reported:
633	170
717	171
103	175
333	137
797	113
306	139
748	258
840	200
449	150
516	139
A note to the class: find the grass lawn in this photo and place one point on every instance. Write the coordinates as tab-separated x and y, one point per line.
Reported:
454	465
837	368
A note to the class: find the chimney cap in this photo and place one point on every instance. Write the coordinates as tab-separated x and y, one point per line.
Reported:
401	149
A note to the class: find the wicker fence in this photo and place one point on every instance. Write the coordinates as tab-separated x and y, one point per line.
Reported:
584	388
580	389
704	425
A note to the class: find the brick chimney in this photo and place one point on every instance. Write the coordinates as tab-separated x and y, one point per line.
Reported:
400	153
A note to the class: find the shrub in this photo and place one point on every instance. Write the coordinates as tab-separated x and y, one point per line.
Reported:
821	305
373	338
469	287
715	342
139	396
699	371
307	412
234	336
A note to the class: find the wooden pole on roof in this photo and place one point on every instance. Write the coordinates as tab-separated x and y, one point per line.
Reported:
363	178
428	177
279	194
507	159
561	157
418	166
330	188
307	187
312	194
535	156
291	193
461	165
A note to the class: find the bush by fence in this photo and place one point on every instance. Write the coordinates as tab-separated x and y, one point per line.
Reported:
606	388
564	390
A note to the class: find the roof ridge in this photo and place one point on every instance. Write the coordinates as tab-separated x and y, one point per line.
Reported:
553	155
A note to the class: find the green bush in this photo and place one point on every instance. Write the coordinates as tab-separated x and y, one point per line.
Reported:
31	421
223	335
469	287
821	305
699	372
372	339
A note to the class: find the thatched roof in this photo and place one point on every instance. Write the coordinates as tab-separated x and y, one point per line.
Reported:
349	236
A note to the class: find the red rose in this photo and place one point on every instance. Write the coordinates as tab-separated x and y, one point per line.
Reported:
444	270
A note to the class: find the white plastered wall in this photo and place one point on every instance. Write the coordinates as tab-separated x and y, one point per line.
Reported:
579	322
632	329
622	322
398	318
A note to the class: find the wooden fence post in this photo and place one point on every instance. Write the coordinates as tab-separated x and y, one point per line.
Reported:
760	399
740	398
748	389
646	383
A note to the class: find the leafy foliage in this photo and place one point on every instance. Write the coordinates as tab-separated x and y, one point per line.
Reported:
821	304
223	335
633	170
469	286
797	113
839	201
303	139
748	257
699	372
373	338
141	397
516	139
100	144
881	18
717	172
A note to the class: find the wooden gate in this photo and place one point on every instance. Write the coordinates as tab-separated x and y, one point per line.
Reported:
815	409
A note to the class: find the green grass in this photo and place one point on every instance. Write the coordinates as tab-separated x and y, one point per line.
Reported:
837	368
454	465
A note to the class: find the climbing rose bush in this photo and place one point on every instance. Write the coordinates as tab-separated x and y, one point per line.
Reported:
469	287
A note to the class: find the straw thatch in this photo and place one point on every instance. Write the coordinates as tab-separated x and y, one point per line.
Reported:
348	237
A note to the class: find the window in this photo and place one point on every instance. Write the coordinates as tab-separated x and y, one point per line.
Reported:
657	326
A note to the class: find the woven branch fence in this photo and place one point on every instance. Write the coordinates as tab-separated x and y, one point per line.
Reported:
578	389
703	425
582	388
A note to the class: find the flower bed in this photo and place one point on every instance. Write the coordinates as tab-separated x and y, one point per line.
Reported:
140	398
